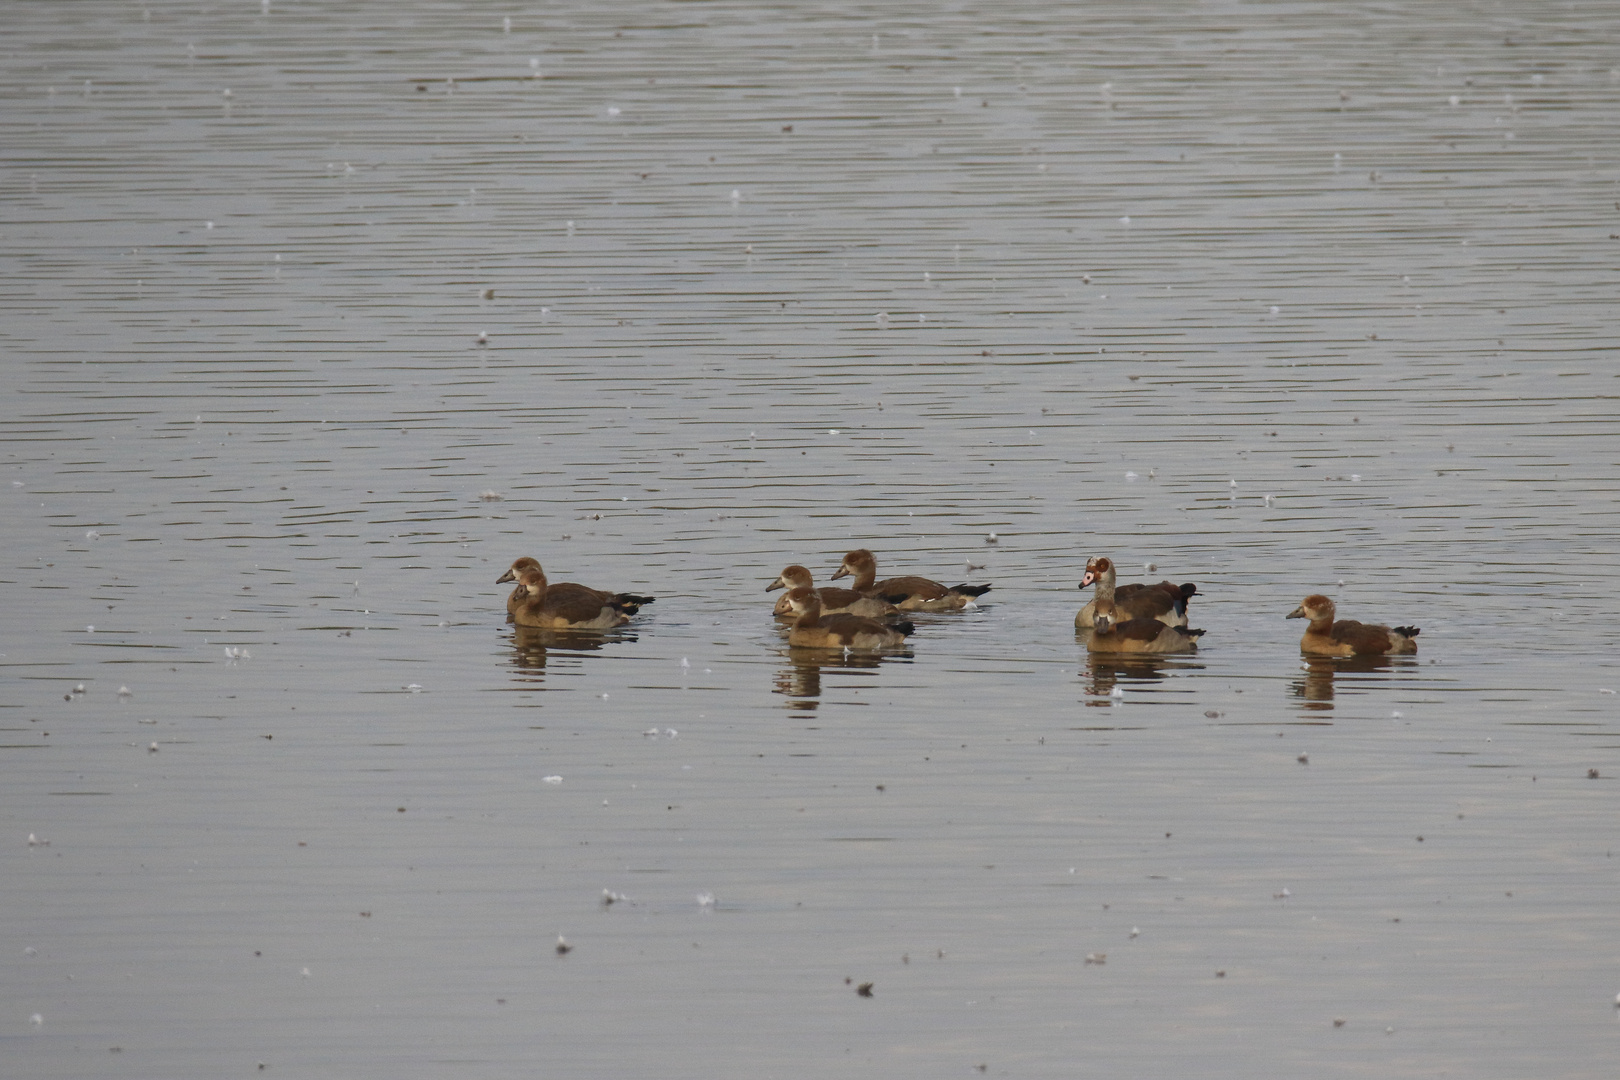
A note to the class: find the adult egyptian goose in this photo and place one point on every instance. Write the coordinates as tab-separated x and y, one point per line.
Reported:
1112	633
834	601
550	609
629	603
1166	601
813	630
906	593
1324	637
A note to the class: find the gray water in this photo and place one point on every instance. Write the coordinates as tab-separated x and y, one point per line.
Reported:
1280	298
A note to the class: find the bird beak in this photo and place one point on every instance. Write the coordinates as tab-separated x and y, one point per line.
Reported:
504	578
1297	613
773	586
843	571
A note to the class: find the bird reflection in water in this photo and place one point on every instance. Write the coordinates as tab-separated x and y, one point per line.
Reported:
1109	675
530	645
1314	688
799	678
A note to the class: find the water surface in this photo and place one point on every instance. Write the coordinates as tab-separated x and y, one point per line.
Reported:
1279	298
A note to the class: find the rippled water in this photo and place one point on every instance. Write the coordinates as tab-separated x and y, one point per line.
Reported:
1280	298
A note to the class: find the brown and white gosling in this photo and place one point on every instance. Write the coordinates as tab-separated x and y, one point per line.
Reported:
560	609
908	593
1324	637
813	630
1113	633
834	601
629	603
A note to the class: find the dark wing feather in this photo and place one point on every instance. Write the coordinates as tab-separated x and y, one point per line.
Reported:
1363	638
846	627
912	588
834	597
574	592
1140	629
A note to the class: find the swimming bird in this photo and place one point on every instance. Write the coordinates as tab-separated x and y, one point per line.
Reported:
629	603
1113	632
906	593
563	609
834	601
1166	602
1324	637
813	630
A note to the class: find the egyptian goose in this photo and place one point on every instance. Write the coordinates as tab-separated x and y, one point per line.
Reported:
629	603
906	593
834	601
1166	602
1112	633
561	609
1324	637
813	630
